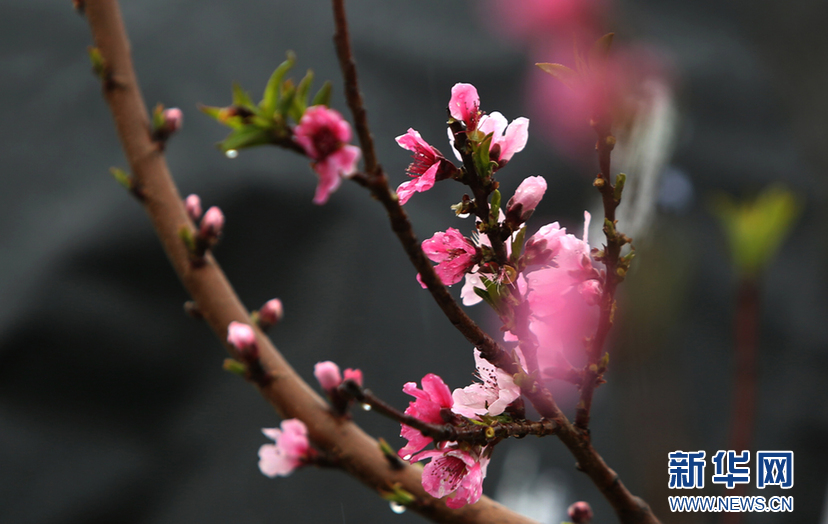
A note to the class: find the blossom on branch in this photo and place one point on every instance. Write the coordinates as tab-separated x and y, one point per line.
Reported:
324	135
489	397
455	470
455	255
243	338
429	166
526	198
329	376
464	105
291	449
428	407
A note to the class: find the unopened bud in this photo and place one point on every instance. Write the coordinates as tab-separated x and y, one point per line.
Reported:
243	338
173	119
271	313
527	197
328	375
193	205
354	375
212	223
580	513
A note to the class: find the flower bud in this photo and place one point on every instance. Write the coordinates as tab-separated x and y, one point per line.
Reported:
527	197
354	375
271	313
327	373
243	338
580	513
212	223
173	118
193	205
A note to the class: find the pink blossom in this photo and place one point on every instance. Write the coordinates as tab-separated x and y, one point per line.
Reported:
455	255
213	223
173	119
489	397
428	407
506	139
271	313
526	198
242	337
329	376
561	294
324	135
580	513
464	105
290	451
457	471
424	170
193	206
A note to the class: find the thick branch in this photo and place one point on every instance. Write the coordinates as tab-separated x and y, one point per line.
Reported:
355	451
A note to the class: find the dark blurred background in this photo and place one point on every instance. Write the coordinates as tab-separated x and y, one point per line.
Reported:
113	403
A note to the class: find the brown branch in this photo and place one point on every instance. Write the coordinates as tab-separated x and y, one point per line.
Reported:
629	508
356	452
612	252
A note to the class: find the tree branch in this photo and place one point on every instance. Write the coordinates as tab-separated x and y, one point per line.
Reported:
356	452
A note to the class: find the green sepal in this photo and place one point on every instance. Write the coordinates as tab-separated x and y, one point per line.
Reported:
270	98
235	367
247	136
98	63
620	180
323	96
241	98
158	117
569	77
186	236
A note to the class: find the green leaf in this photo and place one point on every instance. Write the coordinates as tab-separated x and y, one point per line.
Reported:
219	113
480	155
247	136
600	50
241	98
517	245
620	180
756	228
122	177
300	103
495	207
570	78
323	96
288	94
270	99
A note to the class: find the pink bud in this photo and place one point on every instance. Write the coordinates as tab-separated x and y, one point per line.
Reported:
242	337
355	375
327	373
580	513
173	119
527	197
271	313
193	205
212	223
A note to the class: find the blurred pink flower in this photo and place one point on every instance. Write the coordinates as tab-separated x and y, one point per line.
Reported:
242	337
425	168
428	406
324	135
271	313
173	119
212	224
489	397
193	206
290	451
455	471
455	255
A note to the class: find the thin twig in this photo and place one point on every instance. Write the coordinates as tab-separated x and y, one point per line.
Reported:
356	452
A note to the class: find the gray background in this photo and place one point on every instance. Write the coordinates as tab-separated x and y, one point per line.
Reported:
113	404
